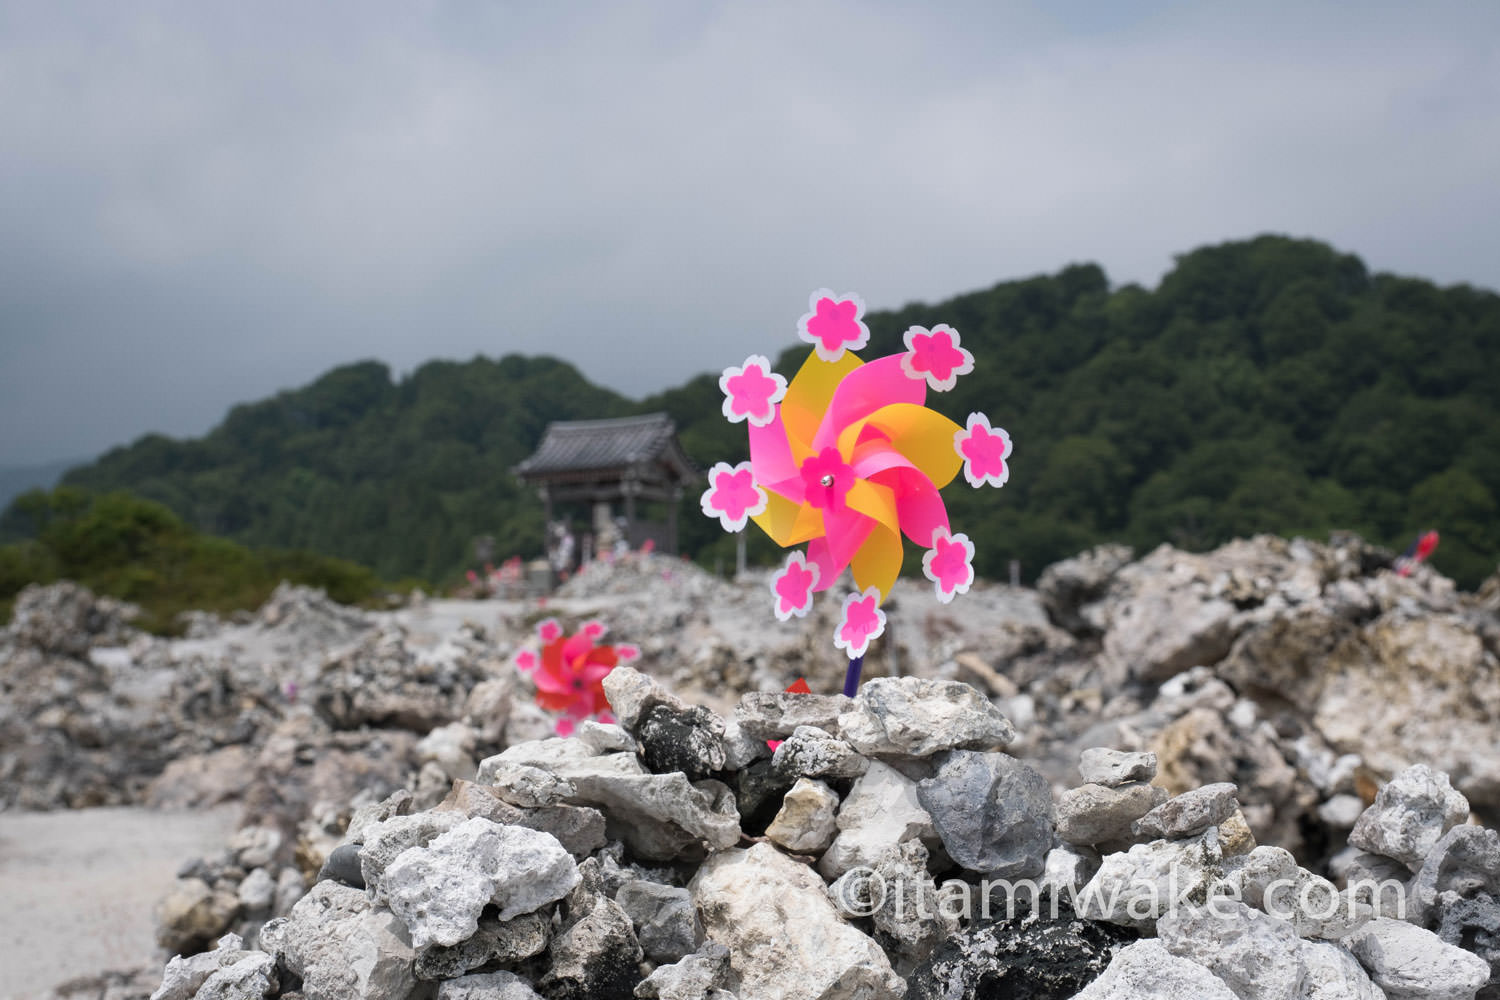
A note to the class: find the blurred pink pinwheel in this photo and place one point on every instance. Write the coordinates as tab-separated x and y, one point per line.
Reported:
850	459
569	672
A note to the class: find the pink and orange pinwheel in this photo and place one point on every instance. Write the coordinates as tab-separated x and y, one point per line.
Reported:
848	458
569	672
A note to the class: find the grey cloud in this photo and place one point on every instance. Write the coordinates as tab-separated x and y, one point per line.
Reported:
201	203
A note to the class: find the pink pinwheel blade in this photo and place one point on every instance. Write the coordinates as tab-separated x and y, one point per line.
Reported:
863	391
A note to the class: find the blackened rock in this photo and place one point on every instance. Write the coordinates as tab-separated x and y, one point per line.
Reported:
690	741
343	866
597	958
758	791
1035	957
501	942
1474	925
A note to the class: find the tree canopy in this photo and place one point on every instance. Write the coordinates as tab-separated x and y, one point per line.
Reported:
1272	384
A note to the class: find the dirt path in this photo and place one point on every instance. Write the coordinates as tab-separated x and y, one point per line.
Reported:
77	887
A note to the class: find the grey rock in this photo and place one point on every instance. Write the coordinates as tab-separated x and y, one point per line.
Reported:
342	946
1410	814
451	748
658	815
1136	887
343	865
807	821
525	785
184	974
880	811
694	977
741	750
488	986
665	923
250	978
1163	628
918	717
992	813
1067	587
909	920
595	957
1474	925
1465	861
1112	768
1342	811
257	893
439	890
398	803
689	740
387	839
1145	970
1258	956
502	942
1331	973
812	753
785	937
1270	880
1412	963
579	829
1190	813
255	846
604	737
1101	814
775	715
1381	882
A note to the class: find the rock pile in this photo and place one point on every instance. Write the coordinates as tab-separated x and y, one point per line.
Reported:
899	852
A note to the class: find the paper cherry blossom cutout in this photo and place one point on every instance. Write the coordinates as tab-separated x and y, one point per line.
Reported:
984	450
549	630
594	629
936	356
751	391
863	621
834	324
949	564
526	660
733	496
625	651
793	588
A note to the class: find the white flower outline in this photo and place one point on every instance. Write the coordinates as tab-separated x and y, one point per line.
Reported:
734	371
942	534
859	648
858	343
964	367
961	436
797	558
706	501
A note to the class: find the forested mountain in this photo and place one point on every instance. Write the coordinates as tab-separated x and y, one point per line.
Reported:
1266	385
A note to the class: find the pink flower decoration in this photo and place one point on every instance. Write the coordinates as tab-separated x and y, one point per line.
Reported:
549	630
594	629
834	324
564	727
935	356
732	495
626	651
752	391
863	621
526	660
949	564
793	587
984	450
826	478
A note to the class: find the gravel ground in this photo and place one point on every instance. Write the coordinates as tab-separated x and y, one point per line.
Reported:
79	886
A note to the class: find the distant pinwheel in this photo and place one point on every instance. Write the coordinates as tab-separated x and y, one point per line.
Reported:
569	672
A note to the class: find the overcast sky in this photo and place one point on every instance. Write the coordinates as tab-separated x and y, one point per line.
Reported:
204	202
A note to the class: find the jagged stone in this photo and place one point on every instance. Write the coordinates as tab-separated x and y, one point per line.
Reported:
1412	963
1100	814
880	812
1190	813
488	986
342	946
1113	768
918	717
439	890
1413	810
1145	970
1331	973
1138	886
503	942
696	977
786	939
688	740
992	813
812	753
595	957
663	917
807	821
1258	956
775	715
